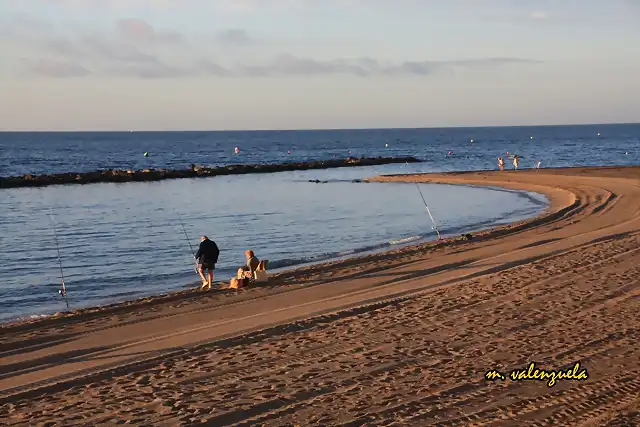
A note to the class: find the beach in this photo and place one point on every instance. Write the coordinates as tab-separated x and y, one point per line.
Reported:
120	242
404	337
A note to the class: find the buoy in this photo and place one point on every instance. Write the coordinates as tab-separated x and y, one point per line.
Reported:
472	140
531	137
598	134
386	145
146	154
237	150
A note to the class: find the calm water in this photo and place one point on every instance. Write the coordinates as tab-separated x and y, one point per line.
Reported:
37	153
120	241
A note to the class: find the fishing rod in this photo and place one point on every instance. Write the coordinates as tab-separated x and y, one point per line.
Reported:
63	290
188	241
433	221
434	227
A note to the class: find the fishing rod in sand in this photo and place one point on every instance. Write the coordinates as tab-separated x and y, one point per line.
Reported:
433	221
63	290
188	241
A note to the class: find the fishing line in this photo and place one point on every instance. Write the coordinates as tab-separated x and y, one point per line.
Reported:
188	241
62	291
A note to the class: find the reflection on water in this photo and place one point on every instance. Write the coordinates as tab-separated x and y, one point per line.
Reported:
123	240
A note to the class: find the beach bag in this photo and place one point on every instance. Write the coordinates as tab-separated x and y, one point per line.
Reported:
260	275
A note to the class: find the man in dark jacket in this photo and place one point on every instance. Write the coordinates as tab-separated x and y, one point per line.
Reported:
207	257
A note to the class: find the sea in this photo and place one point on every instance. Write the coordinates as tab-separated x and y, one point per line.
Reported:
113	242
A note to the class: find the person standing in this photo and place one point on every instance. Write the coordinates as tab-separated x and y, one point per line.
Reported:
501	163
516	160
207	257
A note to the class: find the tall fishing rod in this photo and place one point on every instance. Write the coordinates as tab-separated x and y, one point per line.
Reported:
188	241
433	221
434	227
63	290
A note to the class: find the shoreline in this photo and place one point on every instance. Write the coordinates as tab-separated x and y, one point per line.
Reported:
401	331
287	274
149	175
282	273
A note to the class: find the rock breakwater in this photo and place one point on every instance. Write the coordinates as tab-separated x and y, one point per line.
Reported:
195	171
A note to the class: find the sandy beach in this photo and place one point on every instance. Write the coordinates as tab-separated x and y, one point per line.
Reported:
400	338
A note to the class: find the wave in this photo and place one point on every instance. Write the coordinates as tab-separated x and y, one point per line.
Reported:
403	241
28	317
289	262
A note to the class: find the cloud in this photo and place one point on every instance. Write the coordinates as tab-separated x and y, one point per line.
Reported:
115	50
282	65
139	31
53	68
234	38
539	15
134	48
211	68
252	6
232	6
289	65
121	5
148	71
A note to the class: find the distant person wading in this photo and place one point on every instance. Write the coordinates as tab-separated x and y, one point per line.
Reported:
207	257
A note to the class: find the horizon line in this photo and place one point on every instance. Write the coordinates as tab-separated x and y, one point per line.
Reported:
316	129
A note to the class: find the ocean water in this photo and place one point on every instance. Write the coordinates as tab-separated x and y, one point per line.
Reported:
554	146
121	241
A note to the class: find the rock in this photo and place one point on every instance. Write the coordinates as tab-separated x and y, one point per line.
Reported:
115	175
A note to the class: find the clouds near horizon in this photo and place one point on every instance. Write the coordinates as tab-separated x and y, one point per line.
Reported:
410	59
135	48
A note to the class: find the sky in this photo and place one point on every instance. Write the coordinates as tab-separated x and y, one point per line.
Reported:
316	64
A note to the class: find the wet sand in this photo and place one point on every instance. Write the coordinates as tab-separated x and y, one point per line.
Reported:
400	338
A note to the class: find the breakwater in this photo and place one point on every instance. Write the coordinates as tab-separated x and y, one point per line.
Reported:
115	175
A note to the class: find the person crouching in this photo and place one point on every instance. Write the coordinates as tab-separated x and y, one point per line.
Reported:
207	257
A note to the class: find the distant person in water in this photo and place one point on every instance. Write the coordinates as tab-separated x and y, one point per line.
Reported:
501	163
516	161
207	257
